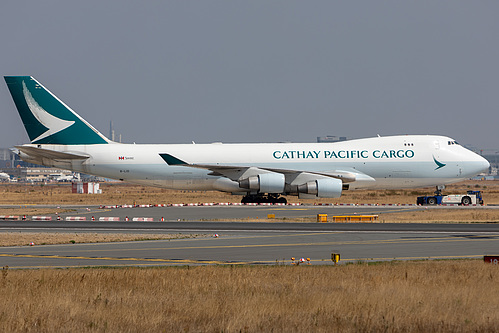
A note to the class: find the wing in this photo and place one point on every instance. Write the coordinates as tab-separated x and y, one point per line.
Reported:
293	177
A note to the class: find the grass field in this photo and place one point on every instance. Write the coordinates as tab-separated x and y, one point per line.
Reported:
425	296
23	197
45	238
448	296
122	193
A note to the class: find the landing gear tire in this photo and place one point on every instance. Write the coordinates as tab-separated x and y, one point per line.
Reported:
260	198
282	200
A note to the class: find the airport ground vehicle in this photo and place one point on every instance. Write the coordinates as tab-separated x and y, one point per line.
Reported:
470	198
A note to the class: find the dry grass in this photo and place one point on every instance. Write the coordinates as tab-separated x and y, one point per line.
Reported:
30	211
448	296
113	194
452	296
23	196
43	238
403	216
443	216
121	193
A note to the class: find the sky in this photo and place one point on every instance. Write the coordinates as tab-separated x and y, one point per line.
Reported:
260	71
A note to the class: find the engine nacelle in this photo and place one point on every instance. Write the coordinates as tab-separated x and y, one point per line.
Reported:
322	188
265	183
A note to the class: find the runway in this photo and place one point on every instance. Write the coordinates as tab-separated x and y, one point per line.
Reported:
190	213
217	227
249	247
211	213
251	242
256	243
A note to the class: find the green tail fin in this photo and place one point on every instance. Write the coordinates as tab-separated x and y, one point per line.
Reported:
46	118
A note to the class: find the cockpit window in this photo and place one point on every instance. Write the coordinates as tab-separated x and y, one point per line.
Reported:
452	143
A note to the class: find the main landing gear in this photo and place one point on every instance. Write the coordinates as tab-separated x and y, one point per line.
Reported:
261	198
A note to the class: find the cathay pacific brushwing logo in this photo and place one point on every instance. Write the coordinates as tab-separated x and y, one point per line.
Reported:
51	122
439	164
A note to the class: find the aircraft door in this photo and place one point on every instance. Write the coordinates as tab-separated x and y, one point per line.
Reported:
436	146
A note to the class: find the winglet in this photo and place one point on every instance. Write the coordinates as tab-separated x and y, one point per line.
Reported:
171	160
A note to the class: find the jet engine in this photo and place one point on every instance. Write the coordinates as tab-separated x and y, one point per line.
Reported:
265	183
322	188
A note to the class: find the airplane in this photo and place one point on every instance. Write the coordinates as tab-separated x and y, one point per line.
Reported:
261	172
4	176
58	177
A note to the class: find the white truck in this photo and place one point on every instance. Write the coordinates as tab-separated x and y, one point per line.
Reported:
470	198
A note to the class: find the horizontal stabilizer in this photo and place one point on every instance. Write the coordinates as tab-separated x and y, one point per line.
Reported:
36	152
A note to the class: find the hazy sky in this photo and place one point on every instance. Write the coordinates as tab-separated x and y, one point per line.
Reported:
260	71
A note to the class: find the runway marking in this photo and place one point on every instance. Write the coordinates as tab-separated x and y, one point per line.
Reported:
96	266
98	211
336	243
367	260
288	235
161	262
283	209
187	261
374	242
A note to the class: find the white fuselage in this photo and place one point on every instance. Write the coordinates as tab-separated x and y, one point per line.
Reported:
381	162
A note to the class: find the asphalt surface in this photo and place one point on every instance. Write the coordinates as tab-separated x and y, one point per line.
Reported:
248	242
213	213
217	212
208	226
248	247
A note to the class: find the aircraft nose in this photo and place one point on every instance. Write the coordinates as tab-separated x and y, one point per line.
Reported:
480	164
485	164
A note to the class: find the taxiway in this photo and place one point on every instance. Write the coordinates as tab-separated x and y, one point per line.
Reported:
249	242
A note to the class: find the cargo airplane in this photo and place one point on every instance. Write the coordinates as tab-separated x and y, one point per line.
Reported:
262	172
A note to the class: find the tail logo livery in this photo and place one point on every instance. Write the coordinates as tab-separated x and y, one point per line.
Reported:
53	124
46	118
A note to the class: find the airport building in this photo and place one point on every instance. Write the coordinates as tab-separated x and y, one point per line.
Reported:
11	164
494	163
9	160
19	170
331	138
